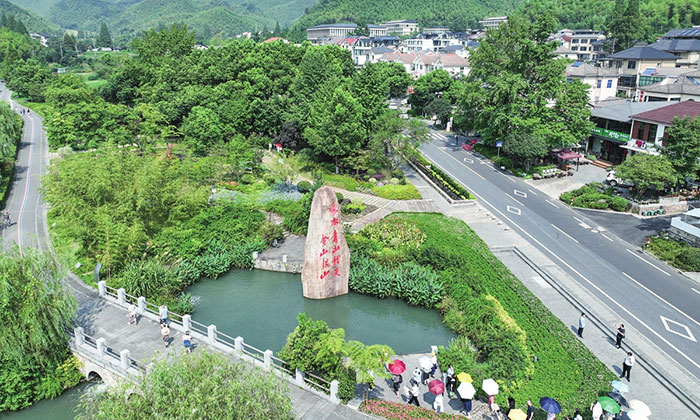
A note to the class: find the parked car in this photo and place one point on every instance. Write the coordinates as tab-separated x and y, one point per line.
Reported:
614	181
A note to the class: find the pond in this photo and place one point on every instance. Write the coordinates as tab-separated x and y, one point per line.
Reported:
60	408
262	307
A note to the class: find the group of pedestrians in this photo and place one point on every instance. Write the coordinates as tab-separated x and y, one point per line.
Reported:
620	334
164	322
24	111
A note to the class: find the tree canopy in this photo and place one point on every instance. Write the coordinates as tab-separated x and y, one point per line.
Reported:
647	171
682	147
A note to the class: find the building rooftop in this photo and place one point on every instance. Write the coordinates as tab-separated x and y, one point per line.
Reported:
665	115
382	50
453	60
686	85
642	53
581	69
623	111
693	32
401	21
677	45
452	48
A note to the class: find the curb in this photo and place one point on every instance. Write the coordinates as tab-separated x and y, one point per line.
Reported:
685	399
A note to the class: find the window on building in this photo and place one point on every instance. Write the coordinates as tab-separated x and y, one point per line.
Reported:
609	83
652	132
574	48
584	41
574	41
631	64
640	131
585	56
649	80
584	49
598	83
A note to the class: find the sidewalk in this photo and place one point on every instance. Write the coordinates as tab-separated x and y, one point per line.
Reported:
567	298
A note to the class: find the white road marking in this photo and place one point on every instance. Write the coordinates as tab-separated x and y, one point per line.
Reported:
26	189
569	236
514	199
533	193
695	290
689	335
475	173
590	283
592	230
552	204
582	224
607	237
661	299
514	210
469	160
520	193
653	265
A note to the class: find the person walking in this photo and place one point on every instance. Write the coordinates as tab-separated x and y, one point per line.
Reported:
581	324
165	332
467	407
620	335
187	341
396	380
132	314
627	365
163	314
450	380
438	404
434	361
417	375
530	411
577	415
413	393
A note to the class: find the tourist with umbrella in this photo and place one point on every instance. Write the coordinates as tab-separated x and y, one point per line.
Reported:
517	414
466	393
450	380
397	367
551	406
490	387
609	406
417	374
413	393
639	407
618	388
436	387
425	365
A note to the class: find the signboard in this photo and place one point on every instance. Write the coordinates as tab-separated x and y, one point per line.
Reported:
499	143
612	135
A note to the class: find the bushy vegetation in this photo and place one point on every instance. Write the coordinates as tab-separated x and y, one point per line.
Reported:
201	384
400	411
34	314
501	325
595	196
10	133
677	253
315	348
397	192
445	182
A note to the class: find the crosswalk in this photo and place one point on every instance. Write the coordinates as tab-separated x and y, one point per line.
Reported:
436	135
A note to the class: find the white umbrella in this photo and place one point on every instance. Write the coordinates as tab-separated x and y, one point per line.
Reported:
425	363
597	411
635	415
640	407
490	387
466	391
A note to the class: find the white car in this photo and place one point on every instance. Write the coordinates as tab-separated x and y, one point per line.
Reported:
614	181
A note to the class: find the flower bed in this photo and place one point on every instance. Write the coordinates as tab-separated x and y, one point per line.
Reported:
393	410
595	196
448	185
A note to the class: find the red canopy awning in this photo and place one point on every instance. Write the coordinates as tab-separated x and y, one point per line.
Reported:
568	155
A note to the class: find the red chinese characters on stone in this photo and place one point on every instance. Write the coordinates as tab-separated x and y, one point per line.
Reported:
336	260
324	239
326	264
323	252
333	209
336	248
323	276
335	221
335	236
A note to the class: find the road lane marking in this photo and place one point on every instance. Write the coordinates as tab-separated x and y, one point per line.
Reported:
696	291
661	299
533	193
575	271
513	210
653	265
469	160
569	236
582	224
475	173
552	204
514	199
606	237
520	193
688	334
26	189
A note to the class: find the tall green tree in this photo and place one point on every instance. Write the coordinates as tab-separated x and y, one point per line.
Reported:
194	386
104	38
526	148
682	147
202	130
623	25
517	86
647	171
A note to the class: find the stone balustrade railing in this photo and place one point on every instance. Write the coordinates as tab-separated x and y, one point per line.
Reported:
220	341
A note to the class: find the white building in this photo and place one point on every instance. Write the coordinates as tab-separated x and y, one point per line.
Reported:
602	80
317	33
493	22
401	27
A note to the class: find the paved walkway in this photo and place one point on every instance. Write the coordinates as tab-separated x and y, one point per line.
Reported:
553	187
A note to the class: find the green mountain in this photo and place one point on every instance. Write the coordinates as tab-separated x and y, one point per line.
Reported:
33	22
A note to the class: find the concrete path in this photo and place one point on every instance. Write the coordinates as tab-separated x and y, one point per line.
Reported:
653	373
553	187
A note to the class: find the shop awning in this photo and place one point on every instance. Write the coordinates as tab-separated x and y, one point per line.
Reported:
568	155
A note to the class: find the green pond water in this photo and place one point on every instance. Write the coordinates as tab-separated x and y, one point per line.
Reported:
262	307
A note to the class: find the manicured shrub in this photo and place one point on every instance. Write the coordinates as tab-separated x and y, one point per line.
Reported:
339	197
247	179
397	173
373	181
394	181
397	192
356	207
677	253
304	186
595	196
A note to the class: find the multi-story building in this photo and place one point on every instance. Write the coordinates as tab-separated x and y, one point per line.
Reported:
436	30
602	80
649	128
435	43
587	44
632	62
317	34
683	88
401	27
684	44
493	22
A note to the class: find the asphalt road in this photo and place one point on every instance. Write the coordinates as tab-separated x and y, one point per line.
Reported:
645	292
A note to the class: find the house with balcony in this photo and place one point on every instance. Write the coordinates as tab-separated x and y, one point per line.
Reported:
631	62
684	44
649	127
602	80
587	44
613	125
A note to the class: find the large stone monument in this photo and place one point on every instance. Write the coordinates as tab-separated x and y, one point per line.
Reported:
326	254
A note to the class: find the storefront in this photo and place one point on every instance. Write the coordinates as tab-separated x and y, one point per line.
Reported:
605	144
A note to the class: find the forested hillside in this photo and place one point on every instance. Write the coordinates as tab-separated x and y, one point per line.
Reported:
31	21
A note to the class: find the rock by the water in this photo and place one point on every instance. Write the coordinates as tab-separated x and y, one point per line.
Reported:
326	254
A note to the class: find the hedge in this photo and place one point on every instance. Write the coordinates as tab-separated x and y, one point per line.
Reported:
399	411
494	313
595	196
397	192
451	187
677	253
